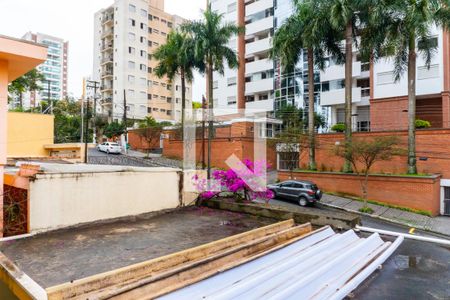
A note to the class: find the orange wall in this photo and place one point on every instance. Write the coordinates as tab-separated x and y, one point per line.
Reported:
412	192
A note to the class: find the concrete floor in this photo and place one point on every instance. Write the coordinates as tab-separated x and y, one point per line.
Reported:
65	255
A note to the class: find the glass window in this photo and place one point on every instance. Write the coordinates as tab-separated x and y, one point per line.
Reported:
131	37
143	12
132	8
131	64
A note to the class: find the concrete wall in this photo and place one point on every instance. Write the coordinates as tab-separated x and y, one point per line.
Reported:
28	133
421	193
66	199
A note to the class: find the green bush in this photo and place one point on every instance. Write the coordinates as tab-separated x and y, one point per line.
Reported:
339	127
422	124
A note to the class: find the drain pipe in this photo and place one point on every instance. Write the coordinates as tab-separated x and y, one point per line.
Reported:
405	235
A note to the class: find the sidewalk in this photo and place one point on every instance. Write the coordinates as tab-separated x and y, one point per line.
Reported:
440	225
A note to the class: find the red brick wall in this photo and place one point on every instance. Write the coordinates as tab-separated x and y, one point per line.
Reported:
139	142
434	145
412	192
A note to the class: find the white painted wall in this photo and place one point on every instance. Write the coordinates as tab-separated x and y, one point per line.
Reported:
64	199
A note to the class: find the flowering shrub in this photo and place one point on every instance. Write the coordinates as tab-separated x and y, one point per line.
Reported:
244	183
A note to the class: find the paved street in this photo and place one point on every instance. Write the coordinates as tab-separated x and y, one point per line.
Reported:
416	270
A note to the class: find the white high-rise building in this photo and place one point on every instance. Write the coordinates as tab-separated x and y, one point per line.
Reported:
126	33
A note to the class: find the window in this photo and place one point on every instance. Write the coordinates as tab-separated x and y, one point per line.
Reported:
155	96
231	7
155	18
288	160
132	8
131	78
149	96
149	70
131	95
156	31
142	67
231	100
143	39
163	21
143	53
143	12
169	112
131	50
155	44
143	26
163	33
231	81
215	84
131	37
169	99
155	83
150	17
149	83
150	30
385	78
132	22
425	73
131	64
169	24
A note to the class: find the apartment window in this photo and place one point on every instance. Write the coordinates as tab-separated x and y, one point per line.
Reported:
155	44
155	83
131	78
142	95
163	84
169	112
143	53
163	98
149	110
162	110
155	18
149	83
385	78
143	12
143	39
156	31
150	30
143	81
155	96
215	84
231	7
149	70
425	73
163	21
231	81
149	43
131	64
142	67
169	24
143	26
169	87
169	99
150	17
149	96
132	8
163	33
249	98
231	100
131	50
263	97
155	109
131	94
131	37
132	22
177	100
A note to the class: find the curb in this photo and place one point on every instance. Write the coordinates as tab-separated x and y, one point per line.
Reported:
386	219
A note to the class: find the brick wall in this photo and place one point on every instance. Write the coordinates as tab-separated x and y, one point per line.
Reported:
422	193
433	155
138	142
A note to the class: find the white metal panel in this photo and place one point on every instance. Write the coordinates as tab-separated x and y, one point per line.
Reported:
318	266
338	72
335	97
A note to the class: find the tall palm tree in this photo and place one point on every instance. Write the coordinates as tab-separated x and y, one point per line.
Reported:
404	30
176	58
211	37
343	15
307	28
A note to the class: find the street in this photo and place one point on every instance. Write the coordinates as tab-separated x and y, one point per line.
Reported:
417	270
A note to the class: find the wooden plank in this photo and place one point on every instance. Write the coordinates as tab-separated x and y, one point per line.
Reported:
142	270
151	288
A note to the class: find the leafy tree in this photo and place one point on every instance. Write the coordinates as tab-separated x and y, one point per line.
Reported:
67	121
28	82
309	28
211	37
402	29
363	153
148	122
115	129
177	57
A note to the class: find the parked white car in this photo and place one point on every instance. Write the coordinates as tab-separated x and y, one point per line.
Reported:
109	147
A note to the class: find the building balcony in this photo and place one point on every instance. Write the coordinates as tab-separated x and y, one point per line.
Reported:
338	72
258	66
259	86
107	47
258	26
107	74
257	6
106	60
263	105
107	33
107	19
106	101
336	97
259	46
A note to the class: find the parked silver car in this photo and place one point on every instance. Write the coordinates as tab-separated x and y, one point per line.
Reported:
302	191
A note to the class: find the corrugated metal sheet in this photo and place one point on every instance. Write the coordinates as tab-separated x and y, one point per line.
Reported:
323	265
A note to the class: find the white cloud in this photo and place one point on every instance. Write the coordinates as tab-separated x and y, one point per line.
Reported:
73	21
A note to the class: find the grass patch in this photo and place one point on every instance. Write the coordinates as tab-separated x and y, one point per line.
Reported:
366	210
402	208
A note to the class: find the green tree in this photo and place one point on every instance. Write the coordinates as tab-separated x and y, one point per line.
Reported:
345	18
26	83
363	153
67	121
402	29
148	122
211	38
176	57
115	129
307	28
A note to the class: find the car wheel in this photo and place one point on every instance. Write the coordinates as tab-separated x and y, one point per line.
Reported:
107	151
302	201
274	194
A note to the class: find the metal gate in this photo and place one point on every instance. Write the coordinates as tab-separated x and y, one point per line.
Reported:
447	201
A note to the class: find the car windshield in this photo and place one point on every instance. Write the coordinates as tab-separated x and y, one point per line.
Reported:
313	187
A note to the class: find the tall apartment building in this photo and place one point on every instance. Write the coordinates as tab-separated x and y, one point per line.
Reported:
54	69
379	103
126	34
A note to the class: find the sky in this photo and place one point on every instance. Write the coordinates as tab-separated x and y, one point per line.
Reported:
73	21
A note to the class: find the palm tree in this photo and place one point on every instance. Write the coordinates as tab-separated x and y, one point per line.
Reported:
343	15
211	37
176	57
306	28
404	30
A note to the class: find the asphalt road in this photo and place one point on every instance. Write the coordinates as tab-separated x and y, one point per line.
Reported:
95	152
416	270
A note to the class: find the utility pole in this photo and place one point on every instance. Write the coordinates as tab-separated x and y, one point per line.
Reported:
125	119
90	84
49	100
203	131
